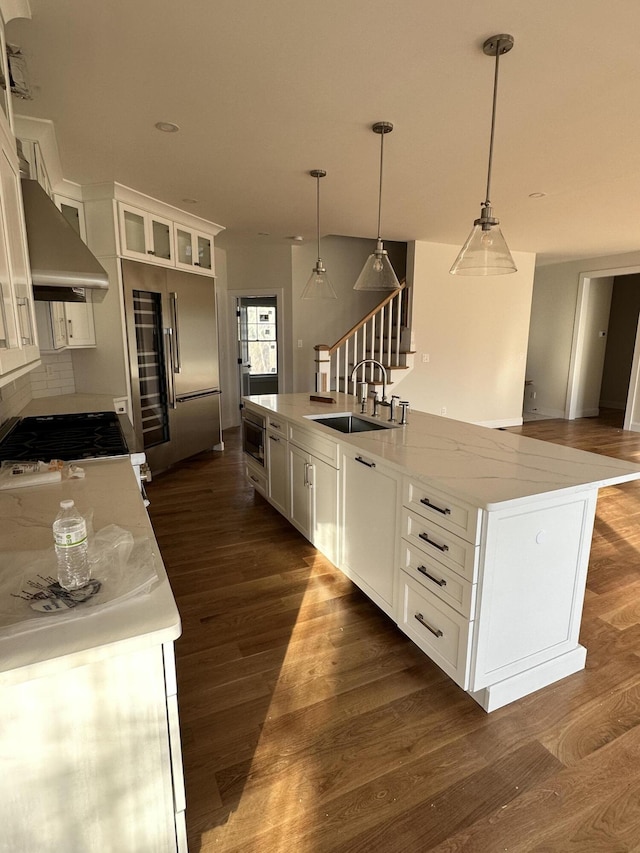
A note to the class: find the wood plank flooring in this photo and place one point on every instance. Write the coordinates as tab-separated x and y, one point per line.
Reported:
311	724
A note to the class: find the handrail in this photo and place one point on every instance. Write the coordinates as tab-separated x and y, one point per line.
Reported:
363	322
377	338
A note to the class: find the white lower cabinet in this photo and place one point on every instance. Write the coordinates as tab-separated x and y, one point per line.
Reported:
493	596
278	468
93	758
439	630
313	500
369	523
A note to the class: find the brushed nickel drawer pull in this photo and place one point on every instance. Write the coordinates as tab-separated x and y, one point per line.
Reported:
423	571
274	425
274	438
255	479
435	631
425	538
427	502
364	462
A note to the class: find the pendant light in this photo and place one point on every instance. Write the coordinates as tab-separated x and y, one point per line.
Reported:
318	286
486	251
377	273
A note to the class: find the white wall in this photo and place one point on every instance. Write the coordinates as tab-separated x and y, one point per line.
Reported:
475	331
553	311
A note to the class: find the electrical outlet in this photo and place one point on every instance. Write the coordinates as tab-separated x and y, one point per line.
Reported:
443	410
49	371
425	357
299	343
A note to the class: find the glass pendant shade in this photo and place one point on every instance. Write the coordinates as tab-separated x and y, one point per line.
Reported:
319	284
377	273
485	253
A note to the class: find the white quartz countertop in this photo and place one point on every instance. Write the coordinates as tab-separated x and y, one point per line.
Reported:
110	491
489	468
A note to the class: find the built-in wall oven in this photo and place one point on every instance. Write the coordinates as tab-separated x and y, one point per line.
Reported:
253	435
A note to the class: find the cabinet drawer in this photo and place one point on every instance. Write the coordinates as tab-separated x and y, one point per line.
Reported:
456	591
257	479
445	547
442	633
317	445
450	513
277	425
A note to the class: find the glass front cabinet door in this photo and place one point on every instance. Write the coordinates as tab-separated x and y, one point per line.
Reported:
145	237
194	250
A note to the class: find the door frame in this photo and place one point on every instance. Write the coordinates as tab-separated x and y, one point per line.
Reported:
578	349
233	296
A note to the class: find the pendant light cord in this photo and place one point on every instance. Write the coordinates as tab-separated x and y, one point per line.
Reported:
493	124
382	135
318	211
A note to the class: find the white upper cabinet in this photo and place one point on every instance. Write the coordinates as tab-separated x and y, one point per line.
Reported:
194	249
18	343
145	237
157	233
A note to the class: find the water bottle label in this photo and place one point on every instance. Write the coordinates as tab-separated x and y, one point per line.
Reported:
70	539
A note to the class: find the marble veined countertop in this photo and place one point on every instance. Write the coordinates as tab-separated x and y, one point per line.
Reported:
489	468
109	489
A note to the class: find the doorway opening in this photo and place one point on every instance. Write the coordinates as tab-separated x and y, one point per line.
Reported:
604	370
258	353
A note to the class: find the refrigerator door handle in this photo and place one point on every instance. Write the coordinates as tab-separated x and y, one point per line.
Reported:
177	361
195	395
168	363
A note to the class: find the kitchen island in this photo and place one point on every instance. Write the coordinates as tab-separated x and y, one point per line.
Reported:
475	541
90	738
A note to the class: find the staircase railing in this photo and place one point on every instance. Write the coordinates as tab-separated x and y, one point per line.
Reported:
378	335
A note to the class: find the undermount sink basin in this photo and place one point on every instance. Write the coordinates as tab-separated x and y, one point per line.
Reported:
349	423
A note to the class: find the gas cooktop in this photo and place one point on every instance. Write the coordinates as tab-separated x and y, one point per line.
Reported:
73	437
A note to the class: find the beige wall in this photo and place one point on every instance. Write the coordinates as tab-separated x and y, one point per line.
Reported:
474	330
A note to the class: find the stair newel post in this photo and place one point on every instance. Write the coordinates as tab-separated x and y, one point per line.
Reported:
323	367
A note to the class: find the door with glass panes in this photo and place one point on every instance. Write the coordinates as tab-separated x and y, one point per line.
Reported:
257	345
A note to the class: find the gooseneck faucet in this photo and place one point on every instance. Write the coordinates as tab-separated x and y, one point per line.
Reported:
382	369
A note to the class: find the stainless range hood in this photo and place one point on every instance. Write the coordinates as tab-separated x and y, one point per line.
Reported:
61	264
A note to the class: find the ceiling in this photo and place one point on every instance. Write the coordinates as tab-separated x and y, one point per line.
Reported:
265	91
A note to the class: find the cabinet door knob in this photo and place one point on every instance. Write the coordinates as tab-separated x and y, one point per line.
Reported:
150	252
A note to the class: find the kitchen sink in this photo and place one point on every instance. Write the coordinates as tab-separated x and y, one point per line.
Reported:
349	423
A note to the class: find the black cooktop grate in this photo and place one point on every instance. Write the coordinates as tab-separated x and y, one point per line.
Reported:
73	437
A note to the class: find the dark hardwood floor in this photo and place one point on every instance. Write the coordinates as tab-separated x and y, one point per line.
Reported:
311	724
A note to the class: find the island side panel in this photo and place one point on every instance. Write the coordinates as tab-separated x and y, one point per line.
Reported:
532	584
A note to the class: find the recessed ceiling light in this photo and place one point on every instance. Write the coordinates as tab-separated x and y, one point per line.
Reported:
166	126
537	195
296	238
190	200
263	234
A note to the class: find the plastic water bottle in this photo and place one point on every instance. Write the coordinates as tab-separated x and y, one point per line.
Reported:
70	537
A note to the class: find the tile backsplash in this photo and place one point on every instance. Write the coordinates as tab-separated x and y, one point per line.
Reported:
15	397
53	377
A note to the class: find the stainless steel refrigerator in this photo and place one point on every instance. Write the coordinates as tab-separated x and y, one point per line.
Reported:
173	356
